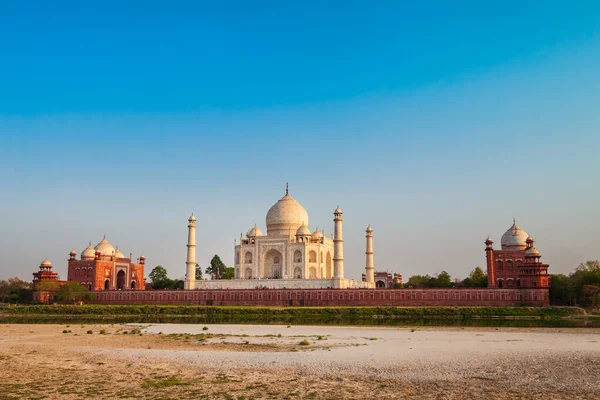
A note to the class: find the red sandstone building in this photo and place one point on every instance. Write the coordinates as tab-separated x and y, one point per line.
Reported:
45	274
384	279
517	264
105	268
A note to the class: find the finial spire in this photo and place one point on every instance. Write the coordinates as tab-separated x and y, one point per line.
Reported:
287	190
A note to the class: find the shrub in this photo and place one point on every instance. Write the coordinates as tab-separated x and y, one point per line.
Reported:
103	332
304	343
89	332
205	328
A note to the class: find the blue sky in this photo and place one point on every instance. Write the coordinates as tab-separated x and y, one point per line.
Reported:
436	123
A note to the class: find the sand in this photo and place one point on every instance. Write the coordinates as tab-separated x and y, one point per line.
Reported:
175	361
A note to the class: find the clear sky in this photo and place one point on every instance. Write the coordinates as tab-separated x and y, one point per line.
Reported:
435	122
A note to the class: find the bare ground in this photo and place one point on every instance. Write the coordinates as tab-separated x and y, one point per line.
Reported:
273	362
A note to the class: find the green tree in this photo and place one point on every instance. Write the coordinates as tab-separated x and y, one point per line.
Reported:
443	280
159	278
70	292
562	290
229	273
476	278
47	286
198	272
217	268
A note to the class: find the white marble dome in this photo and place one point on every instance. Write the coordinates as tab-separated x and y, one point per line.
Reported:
105	248
254	232
88	253
514	238
118	253
317	235
286	216
303	231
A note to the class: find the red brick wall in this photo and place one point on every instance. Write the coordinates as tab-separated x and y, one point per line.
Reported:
331	297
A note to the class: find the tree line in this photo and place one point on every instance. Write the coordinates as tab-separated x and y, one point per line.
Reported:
579	288
216	270
476	278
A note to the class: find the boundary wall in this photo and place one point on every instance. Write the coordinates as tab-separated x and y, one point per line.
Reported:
330	297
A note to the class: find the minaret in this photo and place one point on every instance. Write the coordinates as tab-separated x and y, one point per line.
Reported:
190	276
491	268
370	266
338	245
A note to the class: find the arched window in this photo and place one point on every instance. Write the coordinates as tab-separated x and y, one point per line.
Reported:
500	283
312	273
298	256
509	265
276	260
298	273
106	284
499	265
248	258
312	256
133	284
248	274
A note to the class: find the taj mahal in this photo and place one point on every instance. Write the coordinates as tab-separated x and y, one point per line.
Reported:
288	256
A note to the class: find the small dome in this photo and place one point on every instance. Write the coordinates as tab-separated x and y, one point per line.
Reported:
514	238
303	231
89	253
142	257
46	263
105	248
118	253
489	240
73	252
317	235
192	218
532	251
338	210
254	232
369	229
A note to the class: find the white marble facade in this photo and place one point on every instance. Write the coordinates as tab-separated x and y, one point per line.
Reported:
289	250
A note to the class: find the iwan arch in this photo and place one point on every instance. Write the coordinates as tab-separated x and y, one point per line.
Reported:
288	256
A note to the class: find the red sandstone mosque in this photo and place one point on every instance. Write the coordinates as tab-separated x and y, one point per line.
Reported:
517	264
99	268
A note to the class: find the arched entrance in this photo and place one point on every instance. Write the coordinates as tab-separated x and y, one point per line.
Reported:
106	284
248	274
380	284
297	273
271	267
133	284
121	280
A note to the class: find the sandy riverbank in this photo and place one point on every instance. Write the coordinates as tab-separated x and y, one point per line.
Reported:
274	361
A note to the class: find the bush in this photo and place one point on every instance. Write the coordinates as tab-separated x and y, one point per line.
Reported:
89	332
205	328
304	343
103	332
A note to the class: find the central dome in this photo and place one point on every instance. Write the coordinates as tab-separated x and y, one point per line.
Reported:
105	248
514	238
286	216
